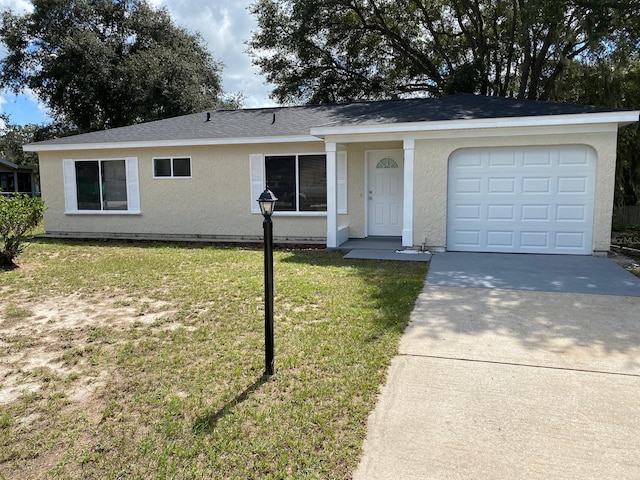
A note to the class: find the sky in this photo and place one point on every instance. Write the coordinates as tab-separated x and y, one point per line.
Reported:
225	26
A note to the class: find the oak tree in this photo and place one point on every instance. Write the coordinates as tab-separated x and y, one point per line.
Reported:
317	51
106	63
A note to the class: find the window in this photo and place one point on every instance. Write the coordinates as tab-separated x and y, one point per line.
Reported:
298	181
101	186
387	162
7	182
172	167
24	182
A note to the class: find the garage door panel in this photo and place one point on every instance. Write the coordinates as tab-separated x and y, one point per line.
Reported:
500	238
572	185
469	238
569	240
534	240
469	185
500	212
467	160
468	212
498	185
528	200
574	157
535	213
536	185
502	159
537	158
571	213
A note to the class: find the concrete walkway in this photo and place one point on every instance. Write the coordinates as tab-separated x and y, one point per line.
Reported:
496	383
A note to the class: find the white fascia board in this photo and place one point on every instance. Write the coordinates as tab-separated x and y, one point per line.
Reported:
53	147
619	118
474	133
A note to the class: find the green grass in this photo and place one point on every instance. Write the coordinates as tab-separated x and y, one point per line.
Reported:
176	387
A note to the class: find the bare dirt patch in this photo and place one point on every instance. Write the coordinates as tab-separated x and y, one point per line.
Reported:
59	337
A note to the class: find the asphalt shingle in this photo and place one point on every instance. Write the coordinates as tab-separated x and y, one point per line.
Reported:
297	121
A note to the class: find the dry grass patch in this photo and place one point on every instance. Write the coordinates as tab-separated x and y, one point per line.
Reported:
146	361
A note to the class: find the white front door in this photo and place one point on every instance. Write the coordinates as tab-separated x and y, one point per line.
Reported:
385	192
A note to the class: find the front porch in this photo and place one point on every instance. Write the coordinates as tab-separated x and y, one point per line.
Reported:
370	191
381	248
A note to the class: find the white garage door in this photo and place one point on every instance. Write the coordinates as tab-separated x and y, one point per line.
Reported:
521	200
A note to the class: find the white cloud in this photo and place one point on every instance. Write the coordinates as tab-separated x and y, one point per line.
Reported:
17	6
225	26
31	96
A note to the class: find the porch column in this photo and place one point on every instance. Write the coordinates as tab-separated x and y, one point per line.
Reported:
409	145
332	195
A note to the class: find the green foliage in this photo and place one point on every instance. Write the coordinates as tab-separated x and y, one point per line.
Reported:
613	82
12	137
317	51
19	216
99	64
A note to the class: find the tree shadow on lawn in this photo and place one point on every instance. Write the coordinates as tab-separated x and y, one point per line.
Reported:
7	267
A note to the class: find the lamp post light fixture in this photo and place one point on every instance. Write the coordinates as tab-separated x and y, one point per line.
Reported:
267	203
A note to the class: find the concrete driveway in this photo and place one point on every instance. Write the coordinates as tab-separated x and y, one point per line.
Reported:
497	380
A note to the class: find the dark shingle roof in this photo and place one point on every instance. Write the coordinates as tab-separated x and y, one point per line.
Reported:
14	166
297	121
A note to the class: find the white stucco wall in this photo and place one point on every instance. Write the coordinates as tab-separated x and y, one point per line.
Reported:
215	202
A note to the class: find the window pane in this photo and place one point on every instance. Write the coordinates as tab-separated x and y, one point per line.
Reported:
281	179
313	183
181	167
7	182
24	182
114	184
161	167
88	185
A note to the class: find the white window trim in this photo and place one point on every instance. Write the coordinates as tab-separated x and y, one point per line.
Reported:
71	193
258	182
171	177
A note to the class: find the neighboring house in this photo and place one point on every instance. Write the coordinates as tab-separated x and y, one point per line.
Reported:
464	173
16	179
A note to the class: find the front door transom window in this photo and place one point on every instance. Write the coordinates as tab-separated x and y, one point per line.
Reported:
387	162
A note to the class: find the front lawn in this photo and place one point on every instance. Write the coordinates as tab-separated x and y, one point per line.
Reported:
125	360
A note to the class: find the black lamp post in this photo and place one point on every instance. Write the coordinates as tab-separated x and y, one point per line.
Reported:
267	202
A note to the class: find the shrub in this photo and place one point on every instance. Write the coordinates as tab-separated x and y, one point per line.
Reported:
19	215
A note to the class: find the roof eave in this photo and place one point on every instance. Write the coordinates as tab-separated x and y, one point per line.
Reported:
14	166
57	147
619	118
